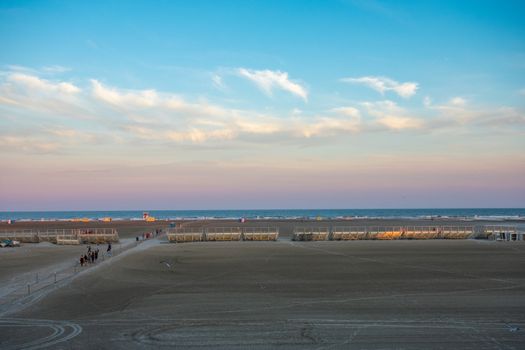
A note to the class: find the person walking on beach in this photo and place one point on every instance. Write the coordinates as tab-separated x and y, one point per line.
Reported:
86	260
96	254
82	260
109	249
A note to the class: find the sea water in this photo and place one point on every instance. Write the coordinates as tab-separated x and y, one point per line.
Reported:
464	213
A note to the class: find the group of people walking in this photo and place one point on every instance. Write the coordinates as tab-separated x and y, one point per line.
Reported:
91	256
148	235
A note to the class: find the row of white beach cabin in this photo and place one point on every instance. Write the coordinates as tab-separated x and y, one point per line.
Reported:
195	234
345	233
63	236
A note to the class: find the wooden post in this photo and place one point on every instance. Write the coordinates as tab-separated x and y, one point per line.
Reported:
55	277
28	289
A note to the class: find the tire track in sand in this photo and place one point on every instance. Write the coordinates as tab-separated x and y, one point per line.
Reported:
62	331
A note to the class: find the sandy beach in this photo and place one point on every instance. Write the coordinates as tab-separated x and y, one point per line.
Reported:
429	294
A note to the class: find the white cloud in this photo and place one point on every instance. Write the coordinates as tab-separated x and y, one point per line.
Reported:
457	113
346	120
32	82
326	126
255	127
400	123
458	102
34	96
267	80
427	101
195	135
163	103
56	69
218	82
142	98
382	108
348	111
382	85
389	115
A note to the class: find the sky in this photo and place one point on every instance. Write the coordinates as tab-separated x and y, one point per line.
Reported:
108	105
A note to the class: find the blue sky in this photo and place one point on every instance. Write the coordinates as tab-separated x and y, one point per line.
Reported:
263	87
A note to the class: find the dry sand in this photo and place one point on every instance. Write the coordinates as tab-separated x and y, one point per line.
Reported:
292	295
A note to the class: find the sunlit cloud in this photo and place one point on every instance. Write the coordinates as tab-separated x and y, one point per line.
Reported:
143	98
36	97
400	123
31	82
267	80
348	111
391	116
326	126
383	84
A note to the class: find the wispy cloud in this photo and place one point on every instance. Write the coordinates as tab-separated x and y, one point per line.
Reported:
56	69
328	126
459	113
267	80
32	82
457	101
218	81
389	115
382	85
28	144
143	98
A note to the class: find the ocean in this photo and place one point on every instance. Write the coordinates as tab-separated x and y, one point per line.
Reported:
464	213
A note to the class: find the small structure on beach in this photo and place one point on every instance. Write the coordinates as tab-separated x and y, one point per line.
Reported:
195	234
181	235
310	233
348	233
97	235
343	233
260	234
503	233
68	240
457	232
223	234
63	236
148	218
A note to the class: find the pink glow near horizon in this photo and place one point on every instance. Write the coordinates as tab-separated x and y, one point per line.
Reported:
403	184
